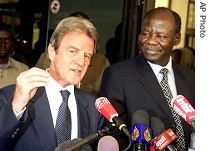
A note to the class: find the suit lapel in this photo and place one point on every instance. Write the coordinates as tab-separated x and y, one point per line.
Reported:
83	123
180	82
150	82
43	122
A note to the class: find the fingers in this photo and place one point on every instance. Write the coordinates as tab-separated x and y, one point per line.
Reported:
27	84
34	74
32	78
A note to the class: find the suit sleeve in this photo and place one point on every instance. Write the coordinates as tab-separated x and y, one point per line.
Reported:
112	90
9	125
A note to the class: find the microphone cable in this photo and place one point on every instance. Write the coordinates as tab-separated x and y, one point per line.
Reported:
129	145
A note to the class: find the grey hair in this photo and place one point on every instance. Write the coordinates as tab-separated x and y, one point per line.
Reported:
74	24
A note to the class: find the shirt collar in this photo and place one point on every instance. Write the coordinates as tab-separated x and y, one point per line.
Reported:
156	68
56	87
10	63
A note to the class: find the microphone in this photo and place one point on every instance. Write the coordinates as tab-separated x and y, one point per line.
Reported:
86	140
182	107
162	138
192	142
108	143
67	144
107	110
141	133
157	126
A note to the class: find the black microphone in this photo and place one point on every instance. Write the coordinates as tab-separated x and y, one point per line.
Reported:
141	133
67	144
192	142
162	137
107	143
157	126
86	140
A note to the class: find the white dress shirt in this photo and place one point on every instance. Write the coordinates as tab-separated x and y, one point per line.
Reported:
171	80
55	100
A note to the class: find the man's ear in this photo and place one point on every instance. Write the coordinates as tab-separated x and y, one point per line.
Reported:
177	39
51	52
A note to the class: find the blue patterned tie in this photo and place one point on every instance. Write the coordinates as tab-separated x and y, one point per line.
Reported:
63	122
180	141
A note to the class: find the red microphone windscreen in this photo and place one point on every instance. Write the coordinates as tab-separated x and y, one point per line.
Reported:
108	143
164	139
105	108
182	106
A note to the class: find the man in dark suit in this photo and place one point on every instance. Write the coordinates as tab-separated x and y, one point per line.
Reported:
134	84
29	109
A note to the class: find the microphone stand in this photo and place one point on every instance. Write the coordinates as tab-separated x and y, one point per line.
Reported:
85	141
90	138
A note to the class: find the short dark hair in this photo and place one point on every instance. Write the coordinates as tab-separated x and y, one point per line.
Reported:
6	28
177	17
80	14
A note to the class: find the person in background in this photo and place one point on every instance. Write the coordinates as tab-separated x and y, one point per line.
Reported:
176	55
92	79
134	84
192	50
30	108
184	56
44	61
23	49
9	67
113	46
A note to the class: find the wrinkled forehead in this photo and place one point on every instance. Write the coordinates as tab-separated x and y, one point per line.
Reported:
161	14
161	20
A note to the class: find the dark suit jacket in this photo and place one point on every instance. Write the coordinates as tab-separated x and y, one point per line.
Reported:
131	85
35	130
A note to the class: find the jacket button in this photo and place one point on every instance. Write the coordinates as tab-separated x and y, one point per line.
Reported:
17	129
13	136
